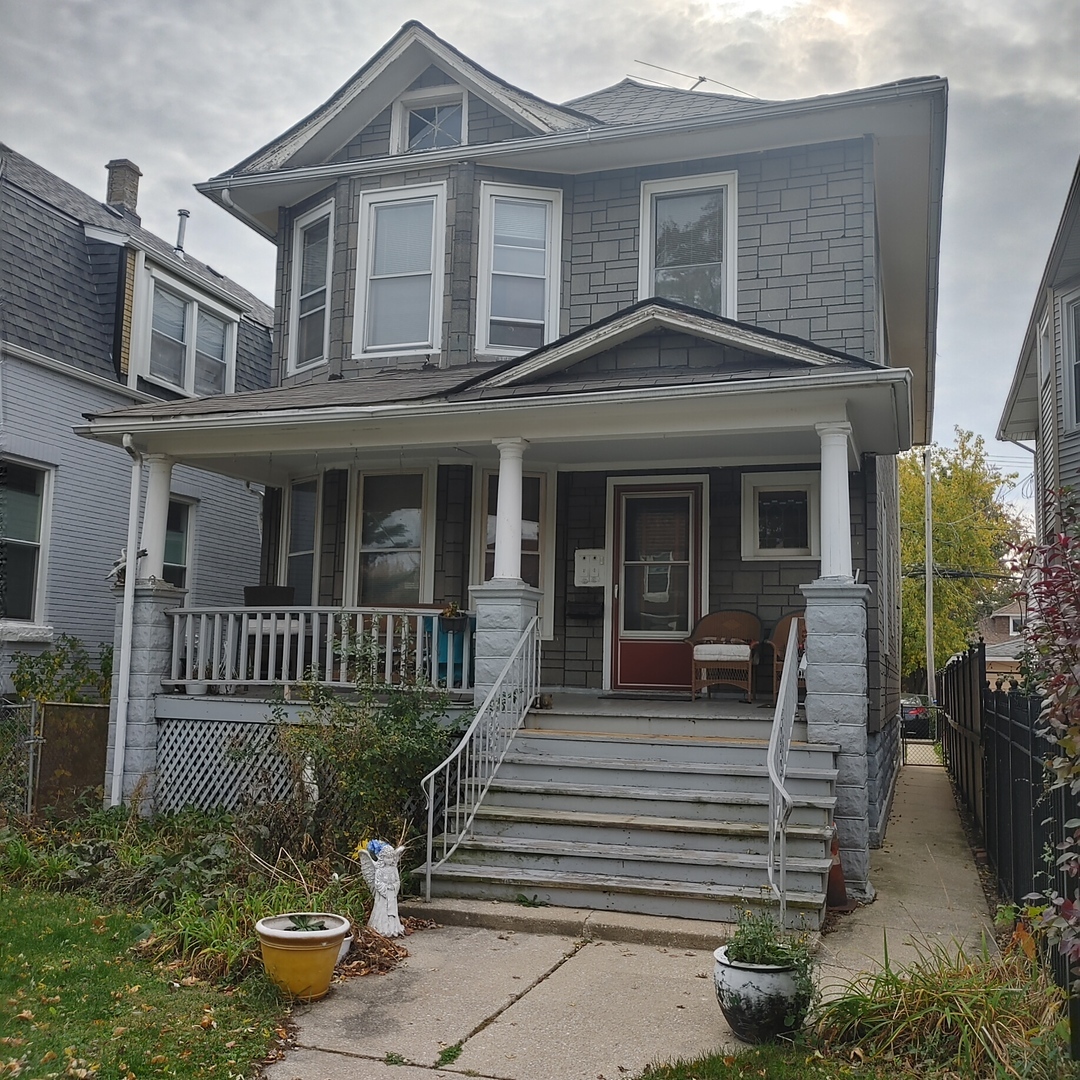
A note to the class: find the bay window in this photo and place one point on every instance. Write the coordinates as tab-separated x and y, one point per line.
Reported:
518	301
400	274
312	260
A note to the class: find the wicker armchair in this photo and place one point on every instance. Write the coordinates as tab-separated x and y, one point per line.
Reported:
724	650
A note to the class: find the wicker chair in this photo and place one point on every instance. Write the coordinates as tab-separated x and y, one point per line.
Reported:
724	648
779	643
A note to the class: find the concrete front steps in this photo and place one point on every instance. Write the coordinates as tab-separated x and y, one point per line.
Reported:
649	808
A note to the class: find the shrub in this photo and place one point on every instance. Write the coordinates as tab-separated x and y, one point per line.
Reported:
63	672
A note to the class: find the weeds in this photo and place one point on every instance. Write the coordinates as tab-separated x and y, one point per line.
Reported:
993	1016
448	1055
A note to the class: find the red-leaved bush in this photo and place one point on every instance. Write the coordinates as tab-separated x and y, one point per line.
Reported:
1053	634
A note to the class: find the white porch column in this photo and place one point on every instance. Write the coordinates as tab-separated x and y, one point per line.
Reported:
508	512
835	501
155	516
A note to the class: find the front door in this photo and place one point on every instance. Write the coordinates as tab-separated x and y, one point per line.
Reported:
656	579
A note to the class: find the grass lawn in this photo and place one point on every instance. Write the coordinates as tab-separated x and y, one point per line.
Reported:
76	1002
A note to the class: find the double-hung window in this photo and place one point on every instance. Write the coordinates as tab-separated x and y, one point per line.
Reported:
303	533
177	544
23	502
312	260
192	345
688	241
400	279
1070	338
392	529
780	515
518	302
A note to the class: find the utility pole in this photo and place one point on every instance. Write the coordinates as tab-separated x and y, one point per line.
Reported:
928	521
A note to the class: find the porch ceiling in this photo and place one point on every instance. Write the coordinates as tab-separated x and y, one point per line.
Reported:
706	424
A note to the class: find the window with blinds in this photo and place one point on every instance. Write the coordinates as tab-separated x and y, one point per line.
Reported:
312	255
402	238
518	302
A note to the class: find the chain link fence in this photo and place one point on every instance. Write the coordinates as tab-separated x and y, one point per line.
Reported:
20	747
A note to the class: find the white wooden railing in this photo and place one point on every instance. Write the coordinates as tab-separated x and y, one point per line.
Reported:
229	647
455	789
780	801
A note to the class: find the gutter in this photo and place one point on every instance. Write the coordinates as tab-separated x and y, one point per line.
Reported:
104	427
581	137
18	352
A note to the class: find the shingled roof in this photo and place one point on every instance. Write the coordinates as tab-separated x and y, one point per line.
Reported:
630	102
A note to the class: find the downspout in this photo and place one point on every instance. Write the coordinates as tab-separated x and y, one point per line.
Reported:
227	199
131	566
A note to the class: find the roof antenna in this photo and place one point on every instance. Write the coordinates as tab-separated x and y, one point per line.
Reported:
180	230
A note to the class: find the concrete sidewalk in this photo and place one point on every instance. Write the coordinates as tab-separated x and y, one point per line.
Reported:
565	994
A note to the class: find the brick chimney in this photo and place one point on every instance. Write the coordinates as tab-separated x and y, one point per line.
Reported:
123	191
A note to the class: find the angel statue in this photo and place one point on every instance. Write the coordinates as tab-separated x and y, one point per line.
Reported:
379	863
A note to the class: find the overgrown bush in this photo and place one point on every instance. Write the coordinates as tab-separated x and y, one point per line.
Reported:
357	765
1053	636
64	672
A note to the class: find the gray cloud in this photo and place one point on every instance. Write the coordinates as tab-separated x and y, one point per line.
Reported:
188	88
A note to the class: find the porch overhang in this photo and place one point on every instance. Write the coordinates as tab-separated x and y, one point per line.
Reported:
707	423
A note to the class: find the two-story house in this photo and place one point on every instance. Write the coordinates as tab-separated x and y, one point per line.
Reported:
613	364
96	313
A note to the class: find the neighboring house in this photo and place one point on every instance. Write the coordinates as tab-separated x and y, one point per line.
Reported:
1044	400
97	313
620	362
1003	633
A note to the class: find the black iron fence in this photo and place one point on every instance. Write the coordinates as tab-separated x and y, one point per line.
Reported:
995	758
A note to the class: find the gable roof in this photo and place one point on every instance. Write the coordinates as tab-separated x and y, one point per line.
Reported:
1020	417
380	81
655	314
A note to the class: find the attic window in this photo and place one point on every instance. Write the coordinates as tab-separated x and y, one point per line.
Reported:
430	119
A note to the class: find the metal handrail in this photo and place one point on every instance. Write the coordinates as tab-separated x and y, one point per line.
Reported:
780	801
463	779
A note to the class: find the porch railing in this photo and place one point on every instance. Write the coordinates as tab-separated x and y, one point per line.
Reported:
229	647
780	801
455	789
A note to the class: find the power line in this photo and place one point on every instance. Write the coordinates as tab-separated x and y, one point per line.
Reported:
699	79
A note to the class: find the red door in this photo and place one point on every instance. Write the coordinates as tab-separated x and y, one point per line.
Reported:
656	584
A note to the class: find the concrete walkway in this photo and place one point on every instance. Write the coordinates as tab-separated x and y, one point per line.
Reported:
563	994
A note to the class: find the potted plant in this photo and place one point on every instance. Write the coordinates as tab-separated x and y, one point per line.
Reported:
452	620
300	949
764	979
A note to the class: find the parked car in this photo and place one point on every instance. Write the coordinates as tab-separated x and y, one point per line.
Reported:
918	715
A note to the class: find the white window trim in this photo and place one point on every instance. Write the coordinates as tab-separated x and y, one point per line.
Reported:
34	628
286	525
707	181
420	99
1069	337
368	201
752	484
325	210
548	480
354	530
553	271
140	354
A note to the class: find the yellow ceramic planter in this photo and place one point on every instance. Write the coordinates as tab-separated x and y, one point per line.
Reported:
301	962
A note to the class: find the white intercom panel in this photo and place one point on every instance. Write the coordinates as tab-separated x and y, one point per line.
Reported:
590	568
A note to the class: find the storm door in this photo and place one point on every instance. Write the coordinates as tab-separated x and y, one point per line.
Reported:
656	584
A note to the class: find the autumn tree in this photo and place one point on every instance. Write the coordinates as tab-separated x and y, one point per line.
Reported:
974	531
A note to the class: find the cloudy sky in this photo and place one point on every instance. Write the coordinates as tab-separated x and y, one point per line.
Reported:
186	88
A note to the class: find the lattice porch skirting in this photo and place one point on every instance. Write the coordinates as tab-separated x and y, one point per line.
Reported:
215	764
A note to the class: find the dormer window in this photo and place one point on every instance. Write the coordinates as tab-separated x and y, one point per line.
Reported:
191	344
430	119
